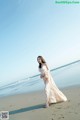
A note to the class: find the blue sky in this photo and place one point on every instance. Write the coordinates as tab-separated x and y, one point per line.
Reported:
29	28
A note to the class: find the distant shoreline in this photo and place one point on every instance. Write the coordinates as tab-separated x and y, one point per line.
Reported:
50	70
57	68
70	71
65	65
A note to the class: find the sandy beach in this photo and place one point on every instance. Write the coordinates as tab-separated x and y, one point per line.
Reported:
30	106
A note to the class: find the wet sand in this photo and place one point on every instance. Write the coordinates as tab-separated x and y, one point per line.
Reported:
30	106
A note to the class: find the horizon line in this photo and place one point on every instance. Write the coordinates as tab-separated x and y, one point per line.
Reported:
58	67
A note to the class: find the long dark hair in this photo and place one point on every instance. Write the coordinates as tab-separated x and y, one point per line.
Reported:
42	60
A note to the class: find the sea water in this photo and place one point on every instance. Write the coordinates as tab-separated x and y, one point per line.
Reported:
67	75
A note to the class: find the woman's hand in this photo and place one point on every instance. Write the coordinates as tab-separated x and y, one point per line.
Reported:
45	77
41	76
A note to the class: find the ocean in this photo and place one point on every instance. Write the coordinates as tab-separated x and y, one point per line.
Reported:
64	76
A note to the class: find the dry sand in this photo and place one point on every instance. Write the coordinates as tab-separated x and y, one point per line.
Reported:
30	106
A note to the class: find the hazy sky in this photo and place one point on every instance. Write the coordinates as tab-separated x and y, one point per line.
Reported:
29	28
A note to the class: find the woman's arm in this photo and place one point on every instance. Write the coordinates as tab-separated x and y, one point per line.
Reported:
45	75
41	76
46	66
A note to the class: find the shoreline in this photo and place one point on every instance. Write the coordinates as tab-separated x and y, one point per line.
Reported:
41	90
69	76
30	106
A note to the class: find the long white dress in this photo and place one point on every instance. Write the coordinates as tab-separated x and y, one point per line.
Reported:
53	94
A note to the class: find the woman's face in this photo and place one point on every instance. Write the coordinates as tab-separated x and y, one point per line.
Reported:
39	60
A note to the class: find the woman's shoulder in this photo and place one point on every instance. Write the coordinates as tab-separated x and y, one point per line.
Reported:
45	64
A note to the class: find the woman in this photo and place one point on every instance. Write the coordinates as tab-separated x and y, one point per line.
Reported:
53	94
